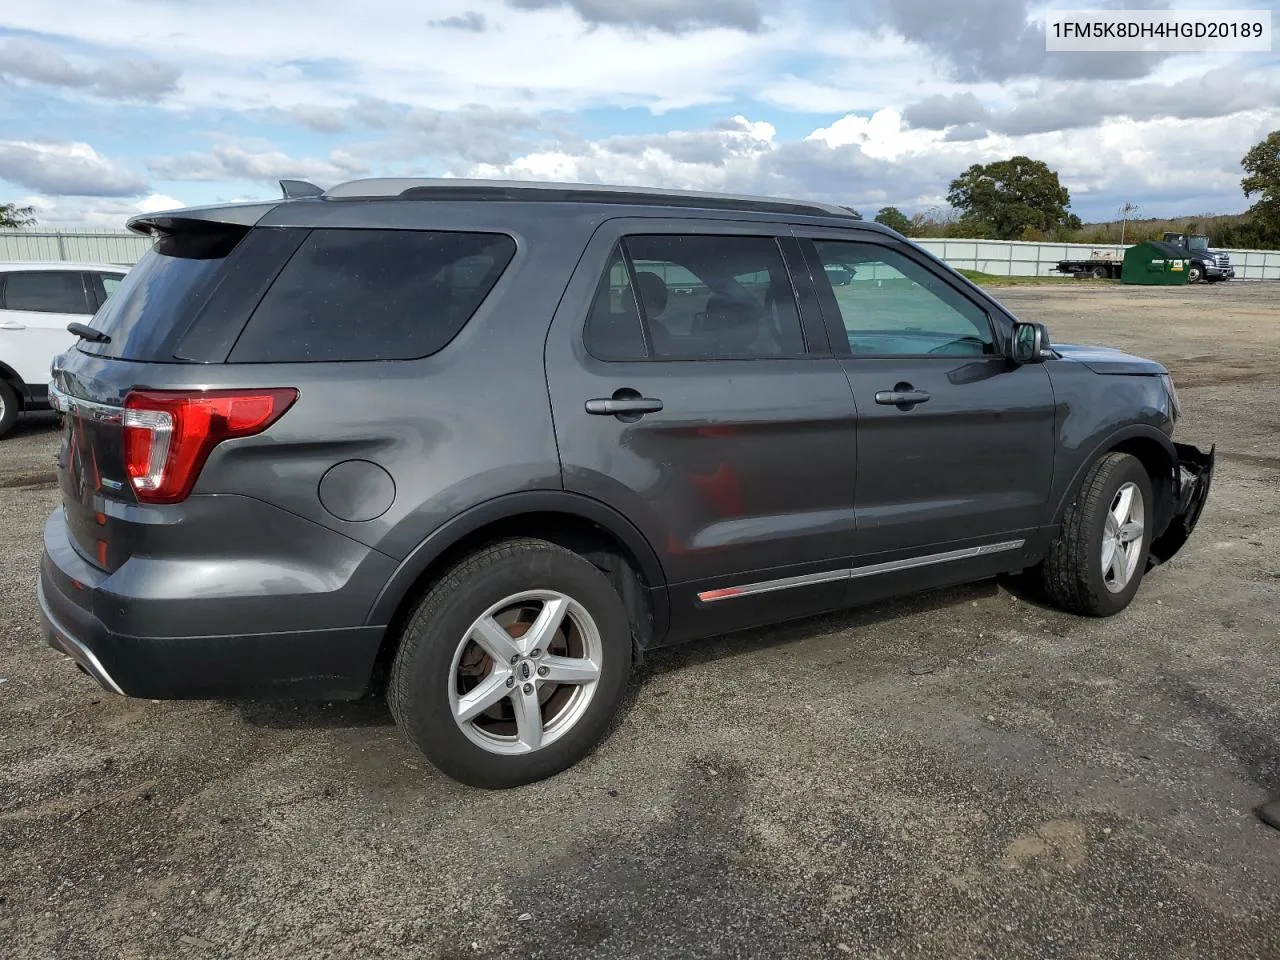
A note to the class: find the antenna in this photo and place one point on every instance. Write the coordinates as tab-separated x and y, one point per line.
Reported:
293	189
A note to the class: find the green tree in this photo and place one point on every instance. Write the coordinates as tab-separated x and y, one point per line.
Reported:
12	216
894	219
1006	198
1262	164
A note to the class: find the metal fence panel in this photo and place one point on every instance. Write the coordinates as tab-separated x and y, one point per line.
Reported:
1000	257
88	246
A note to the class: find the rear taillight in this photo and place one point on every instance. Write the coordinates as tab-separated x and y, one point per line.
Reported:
168	433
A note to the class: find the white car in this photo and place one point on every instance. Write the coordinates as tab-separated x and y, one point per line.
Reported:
37	301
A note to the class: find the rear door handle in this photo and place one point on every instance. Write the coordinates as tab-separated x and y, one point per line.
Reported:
12	325
629	406
902	398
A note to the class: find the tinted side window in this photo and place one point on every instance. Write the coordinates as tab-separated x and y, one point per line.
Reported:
111	282
373	295
892	306
706	298
46	291
613	327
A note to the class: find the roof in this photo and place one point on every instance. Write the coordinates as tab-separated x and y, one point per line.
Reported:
10	266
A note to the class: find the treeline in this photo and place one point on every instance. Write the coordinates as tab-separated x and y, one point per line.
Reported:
1223	230
1023	199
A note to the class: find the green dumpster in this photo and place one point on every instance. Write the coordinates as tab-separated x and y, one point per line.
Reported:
1155	263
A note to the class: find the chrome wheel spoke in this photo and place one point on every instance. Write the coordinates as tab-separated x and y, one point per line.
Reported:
1122	505
544	629
528	717
1131	531
1119	563
1109	550
484	695
495	640
568	670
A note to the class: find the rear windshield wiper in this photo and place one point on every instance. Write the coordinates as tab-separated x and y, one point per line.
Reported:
86	332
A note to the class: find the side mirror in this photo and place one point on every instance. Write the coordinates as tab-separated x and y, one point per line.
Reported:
1029	343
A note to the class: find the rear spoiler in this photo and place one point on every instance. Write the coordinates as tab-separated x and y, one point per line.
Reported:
199	219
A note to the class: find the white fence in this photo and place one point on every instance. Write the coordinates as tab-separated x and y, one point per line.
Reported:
1001	257
85	246
1018	258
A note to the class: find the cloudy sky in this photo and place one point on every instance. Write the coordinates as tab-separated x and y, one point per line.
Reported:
115	106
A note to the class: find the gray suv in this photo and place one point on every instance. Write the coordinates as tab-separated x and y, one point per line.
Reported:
481	445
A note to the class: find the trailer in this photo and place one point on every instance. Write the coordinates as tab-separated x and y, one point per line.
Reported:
1100	265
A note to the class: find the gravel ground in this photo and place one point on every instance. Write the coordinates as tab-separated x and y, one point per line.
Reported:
965	773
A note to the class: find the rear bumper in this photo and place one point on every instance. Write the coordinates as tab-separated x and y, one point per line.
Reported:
1191	491
326	664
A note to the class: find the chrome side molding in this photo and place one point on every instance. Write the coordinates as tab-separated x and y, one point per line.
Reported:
854	573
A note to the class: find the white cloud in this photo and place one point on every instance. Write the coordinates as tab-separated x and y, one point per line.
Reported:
232	162
68	169
872	161
112	78
106	214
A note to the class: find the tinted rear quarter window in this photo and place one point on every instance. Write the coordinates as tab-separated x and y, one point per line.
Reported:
46	291
161	293
349	295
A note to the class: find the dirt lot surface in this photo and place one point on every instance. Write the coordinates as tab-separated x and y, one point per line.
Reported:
965	774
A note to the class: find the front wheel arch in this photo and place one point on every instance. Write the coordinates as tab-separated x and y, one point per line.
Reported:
1156	453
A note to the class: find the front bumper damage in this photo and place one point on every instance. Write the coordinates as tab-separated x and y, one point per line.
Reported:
1188	493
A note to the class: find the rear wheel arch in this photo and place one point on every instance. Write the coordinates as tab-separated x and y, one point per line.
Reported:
579	524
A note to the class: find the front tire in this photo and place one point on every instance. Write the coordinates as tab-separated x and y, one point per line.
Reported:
513	665
1096	562
1195	273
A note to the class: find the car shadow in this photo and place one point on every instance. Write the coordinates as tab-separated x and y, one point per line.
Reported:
668	659
370	711
35	421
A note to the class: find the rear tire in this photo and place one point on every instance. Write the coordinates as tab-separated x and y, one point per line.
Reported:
1095	564
1101	273
536	634
8	408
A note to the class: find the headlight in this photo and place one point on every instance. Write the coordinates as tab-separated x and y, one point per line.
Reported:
1173	395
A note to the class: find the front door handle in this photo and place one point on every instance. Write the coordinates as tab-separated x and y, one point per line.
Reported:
903	396
623	406
12	325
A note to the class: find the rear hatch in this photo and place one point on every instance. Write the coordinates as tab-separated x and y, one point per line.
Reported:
170	318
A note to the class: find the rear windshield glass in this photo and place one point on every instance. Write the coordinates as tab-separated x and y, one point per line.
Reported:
373	295
161	291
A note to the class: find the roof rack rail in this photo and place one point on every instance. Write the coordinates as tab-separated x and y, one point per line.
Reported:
294	189
449	188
